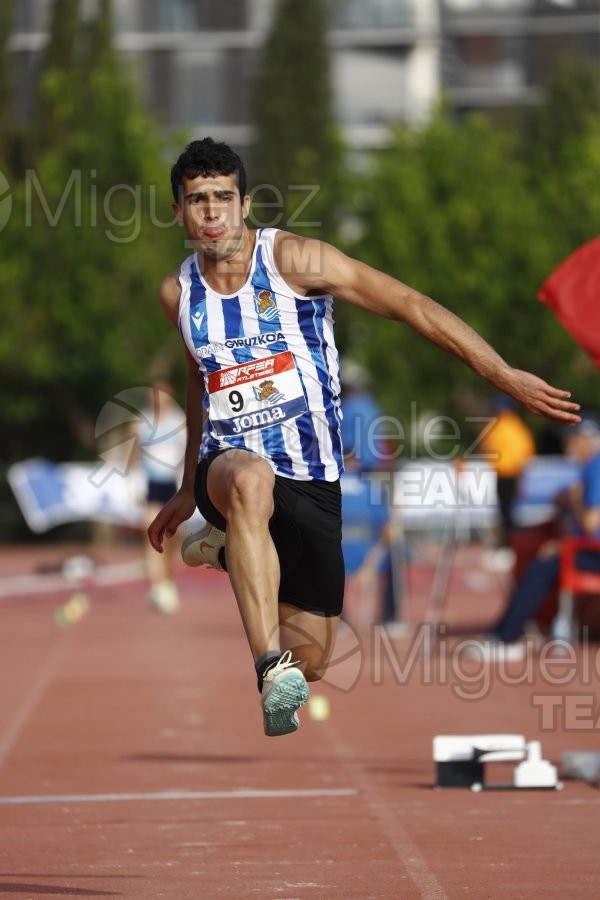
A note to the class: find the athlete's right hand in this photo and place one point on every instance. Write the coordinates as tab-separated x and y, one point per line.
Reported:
176	511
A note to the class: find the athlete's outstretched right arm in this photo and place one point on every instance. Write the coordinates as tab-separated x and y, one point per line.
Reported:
183	504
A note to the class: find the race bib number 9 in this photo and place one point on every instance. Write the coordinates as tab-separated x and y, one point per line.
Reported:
255	395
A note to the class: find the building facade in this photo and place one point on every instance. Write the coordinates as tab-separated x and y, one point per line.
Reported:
194	60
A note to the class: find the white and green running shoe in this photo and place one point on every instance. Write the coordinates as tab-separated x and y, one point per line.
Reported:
284	691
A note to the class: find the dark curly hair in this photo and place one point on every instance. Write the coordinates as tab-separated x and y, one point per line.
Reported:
207	157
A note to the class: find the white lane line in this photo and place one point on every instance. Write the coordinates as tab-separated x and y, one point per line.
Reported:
33	697
176	795
40	583
389	821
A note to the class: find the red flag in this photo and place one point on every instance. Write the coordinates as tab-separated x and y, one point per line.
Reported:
573	292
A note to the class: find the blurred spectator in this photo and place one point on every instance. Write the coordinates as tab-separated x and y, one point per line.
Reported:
509	445
579	508
361	415
161	439
365	452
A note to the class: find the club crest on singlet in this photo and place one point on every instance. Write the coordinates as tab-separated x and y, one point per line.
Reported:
265	305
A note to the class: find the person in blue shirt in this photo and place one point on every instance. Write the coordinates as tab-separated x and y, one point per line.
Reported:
365	522
579	506
361	416
365	517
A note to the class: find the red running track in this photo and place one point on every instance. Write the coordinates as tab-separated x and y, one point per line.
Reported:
133	764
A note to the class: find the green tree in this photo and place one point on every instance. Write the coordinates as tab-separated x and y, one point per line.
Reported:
562	149
6	17
9	131
86	247
458	211
298	150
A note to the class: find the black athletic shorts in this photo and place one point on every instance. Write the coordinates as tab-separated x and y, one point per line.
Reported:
306	528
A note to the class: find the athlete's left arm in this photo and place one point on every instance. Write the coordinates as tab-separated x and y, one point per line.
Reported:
326	268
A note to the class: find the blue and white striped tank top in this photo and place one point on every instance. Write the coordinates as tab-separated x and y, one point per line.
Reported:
271	367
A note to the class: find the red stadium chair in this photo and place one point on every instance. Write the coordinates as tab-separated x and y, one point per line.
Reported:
574	582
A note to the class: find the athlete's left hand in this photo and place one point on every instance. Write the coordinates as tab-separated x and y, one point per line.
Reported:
541	398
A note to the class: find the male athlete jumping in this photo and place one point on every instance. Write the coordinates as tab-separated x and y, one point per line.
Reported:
264	455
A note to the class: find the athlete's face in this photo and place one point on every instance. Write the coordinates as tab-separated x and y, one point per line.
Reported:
213	214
